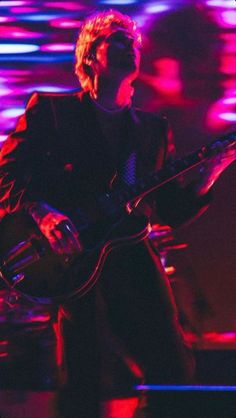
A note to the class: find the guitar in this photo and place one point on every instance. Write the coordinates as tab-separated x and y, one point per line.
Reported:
31	267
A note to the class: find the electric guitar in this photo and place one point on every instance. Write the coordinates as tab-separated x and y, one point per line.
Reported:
29	265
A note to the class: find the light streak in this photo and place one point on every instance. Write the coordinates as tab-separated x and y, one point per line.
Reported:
17	48
229	116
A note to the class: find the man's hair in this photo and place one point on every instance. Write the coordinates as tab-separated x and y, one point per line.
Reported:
92	31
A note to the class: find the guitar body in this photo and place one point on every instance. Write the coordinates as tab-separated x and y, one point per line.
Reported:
30	266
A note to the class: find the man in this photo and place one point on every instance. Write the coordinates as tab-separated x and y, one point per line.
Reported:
68	149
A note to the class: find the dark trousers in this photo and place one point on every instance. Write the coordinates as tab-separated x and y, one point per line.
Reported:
128	321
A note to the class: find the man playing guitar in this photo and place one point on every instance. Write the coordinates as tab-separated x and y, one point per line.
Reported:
66	151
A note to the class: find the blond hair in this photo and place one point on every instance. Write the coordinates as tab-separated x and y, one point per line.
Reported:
92	31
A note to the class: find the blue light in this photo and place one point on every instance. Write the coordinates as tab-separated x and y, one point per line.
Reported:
13	112
37	58
50	89
118	2
41	17
17	48
183	388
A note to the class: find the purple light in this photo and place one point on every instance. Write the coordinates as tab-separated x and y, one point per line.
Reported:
18	48
57	47
229	116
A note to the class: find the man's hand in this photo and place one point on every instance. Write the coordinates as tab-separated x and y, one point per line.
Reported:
214	167
57	228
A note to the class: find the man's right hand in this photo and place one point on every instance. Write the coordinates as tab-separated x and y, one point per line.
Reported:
57	228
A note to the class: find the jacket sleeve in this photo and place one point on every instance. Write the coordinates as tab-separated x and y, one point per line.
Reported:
175	203
18	158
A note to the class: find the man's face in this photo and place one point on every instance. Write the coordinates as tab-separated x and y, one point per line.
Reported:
118	55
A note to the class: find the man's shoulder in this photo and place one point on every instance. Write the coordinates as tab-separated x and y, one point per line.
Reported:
38	98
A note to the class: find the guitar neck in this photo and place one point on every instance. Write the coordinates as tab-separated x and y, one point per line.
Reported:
119	198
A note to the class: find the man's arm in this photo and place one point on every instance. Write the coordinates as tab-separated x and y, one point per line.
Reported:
18	158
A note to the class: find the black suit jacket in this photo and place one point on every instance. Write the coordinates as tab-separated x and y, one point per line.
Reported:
58	154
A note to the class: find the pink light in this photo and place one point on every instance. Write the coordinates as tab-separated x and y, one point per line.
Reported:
220	337
229	42
66	5
14	72
225	18
17	32
40	318
229	17
120	407
57	47
65	24
24	10
4	19
228	64
221	112
166	80
230	100
4	91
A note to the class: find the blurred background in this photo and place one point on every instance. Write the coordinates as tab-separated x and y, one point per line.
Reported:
188	73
